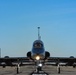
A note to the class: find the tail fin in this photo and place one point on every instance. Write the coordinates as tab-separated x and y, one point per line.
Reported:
39	37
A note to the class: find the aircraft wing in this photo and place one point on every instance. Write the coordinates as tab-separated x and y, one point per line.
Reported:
68	60
61	59
13	61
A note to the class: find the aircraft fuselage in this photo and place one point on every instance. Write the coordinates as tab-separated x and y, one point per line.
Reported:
38	50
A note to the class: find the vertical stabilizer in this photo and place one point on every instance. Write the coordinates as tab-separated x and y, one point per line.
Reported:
39	37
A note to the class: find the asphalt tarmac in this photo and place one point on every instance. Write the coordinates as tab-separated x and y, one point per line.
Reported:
26	70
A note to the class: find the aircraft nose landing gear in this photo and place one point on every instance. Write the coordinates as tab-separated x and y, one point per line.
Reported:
39	71
39	67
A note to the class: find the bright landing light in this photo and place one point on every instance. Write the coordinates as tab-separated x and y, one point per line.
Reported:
37	57
40	65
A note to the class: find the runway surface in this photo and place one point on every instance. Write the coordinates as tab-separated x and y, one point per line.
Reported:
26	70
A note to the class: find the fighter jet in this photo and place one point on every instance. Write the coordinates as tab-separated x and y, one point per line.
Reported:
37	56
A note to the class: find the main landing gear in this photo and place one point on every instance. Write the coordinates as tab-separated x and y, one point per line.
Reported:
58	69
18	68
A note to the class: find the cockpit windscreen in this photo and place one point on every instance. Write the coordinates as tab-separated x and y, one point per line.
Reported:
37	45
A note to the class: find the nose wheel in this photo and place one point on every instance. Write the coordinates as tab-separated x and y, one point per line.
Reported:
38	69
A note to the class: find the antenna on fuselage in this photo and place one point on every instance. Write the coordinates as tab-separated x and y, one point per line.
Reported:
39	37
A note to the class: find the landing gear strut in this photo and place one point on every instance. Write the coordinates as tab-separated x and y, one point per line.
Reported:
38	69
18	68
58	69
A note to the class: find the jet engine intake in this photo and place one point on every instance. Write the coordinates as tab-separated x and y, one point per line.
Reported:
47	54
29	54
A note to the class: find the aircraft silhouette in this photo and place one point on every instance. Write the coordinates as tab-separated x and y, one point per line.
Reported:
37	56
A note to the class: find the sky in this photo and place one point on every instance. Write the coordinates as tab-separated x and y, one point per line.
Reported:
19	20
